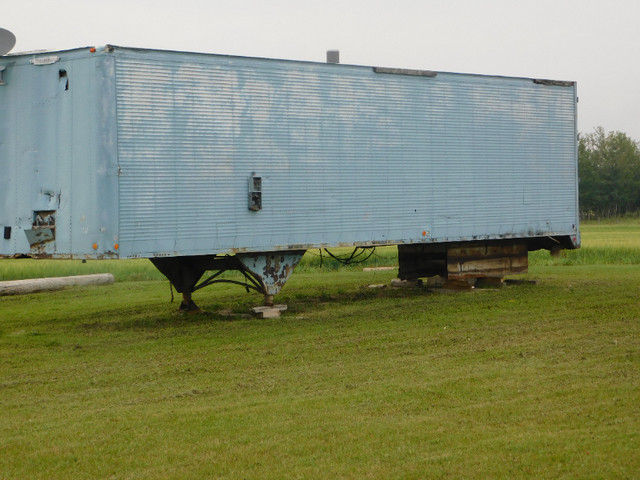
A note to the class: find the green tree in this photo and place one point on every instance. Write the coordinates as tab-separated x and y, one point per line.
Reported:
609	168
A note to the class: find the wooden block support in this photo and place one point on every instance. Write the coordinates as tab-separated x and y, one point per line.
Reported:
489	260
268	311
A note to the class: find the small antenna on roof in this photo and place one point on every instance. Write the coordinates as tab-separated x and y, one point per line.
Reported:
7	41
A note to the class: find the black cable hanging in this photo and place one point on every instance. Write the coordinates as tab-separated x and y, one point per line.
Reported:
354	257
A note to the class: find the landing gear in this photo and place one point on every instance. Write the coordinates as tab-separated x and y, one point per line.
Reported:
188	305
265	273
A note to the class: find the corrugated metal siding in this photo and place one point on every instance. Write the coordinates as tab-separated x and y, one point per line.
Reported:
153	151
346	155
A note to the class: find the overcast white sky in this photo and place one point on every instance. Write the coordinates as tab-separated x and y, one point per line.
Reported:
594	42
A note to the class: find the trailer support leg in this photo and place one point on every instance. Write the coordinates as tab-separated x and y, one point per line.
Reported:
265	272
188	305
183	273
271	269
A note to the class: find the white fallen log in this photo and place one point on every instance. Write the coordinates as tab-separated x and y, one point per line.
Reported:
34	285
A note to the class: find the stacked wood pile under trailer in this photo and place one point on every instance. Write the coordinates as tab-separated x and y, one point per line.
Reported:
206	162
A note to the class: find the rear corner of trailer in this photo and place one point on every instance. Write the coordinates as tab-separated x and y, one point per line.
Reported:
58	188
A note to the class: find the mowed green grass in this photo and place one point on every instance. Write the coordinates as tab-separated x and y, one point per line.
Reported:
528	381
615	242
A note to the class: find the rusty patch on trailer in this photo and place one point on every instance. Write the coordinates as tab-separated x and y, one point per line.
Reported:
277	270
42	232
39	237
273	269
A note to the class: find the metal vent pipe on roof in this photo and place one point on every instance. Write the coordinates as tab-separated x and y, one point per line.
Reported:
333	56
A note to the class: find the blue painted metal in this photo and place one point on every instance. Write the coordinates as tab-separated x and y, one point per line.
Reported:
272	269
145	153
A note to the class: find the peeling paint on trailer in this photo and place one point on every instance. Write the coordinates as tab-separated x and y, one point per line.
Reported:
272	269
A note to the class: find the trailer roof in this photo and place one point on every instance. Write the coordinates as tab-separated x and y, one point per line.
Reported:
388	70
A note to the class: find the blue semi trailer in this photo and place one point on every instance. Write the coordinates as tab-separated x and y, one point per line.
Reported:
205	162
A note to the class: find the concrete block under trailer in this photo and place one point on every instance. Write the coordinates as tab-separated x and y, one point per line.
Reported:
211	162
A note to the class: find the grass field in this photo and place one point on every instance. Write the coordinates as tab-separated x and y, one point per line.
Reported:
528	381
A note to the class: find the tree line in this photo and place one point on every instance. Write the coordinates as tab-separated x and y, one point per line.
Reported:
609	172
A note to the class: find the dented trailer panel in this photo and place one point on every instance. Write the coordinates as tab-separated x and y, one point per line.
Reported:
121	152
